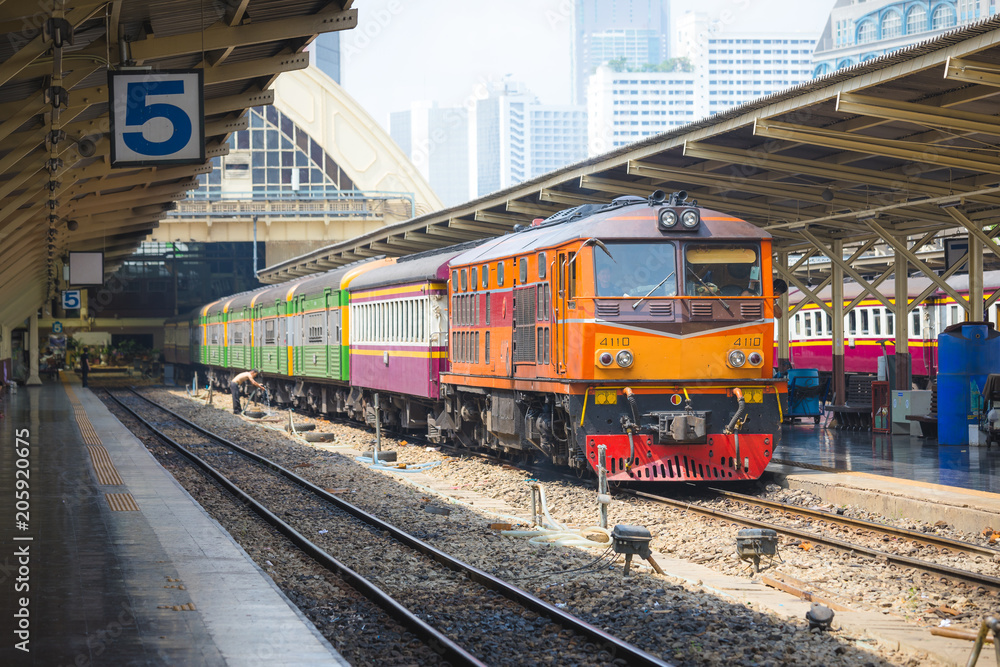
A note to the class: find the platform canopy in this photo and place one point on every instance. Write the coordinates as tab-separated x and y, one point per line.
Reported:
58	189
887	155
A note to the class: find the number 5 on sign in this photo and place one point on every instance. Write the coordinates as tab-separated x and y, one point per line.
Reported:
71	299
157	118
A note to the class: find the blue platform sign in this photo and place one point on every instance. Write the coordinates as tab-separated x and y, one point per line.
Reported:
157	117
57	327
71	299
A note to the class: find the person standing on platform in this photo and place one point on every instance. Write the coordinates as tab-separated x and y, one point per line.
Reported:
85	365
234	387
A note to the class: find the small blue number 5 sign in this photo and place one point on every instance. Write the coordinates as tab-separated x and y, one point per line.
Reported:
157	118
71	299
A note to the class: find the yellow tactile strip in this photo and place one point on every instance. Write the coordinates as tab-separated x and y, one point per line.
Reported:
121	502
105	469
90	436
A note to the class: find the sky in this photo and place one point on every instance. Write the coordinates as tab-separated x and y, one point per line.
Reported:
447	51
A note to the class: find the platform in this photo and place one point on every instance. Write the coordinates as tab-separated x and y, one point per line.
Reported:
904	457
118	564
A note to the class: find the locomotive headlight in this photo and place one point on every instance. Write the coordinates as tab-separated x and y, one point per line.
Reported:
605	359
755	359
668	218
690	218
624	359
737	359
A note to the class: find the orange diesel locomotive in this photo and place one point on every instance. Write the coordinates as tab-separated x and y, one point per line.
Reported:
644	325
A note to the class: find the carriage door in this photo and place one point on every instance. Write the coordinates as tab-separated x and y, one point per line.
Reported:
565	278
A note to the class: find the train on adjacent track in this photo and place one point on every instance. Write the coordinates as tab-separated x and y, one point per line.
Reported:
870	325
644	325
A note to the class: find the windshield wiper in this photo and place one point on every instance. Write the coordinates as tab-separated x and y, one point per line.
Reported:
636	304
705	285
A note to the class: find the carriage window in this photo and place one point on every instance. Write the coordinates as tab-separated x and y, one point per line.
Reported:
542	265
954	315
721	270
916	329
865	318
890	323
852	323
486	276
829	325
877	321
808	323
818	319
798	324
524	270
635	269
500	274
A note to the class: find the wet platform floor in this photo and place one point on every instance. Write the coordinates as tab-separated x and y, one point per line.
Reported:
108	561
891	455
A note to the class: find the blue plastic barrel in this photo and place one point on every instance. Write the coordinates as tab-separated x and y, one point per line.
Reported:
967	353
803	392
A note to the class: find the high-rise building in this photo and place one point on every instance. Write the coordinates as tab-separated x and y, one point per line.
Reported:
734	67
856	32
437	142
623	107
326	50
712	70
515	138
632	31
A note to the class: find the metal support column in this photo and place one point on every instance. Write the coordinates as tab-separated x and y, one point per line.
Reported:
837	334
975	278
33	350
6	354
904	378
782	322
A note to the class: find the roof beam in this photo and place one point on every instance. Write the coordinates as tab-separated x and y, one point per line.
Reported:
532	209
816	136
500	219
920	114
221	36
27	54
454	233
791	165
972	71
569	198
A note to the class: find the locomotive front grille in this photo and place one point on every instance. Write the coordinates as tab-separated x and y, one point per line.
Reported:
661	309
608	309
751	311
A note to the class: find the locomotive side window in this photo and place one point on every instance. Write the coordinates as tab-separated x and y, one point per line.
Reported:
500	274
541	265
486	276
636	269
454	280
474	279
465	280
722	270
523	276
572	276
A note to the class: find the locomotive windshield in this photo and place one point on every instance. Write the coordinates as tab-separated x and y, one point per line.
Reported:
635	269
722	270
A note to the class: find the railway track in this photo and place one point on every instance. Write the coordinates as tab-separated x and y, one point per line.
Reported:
974	578
469	616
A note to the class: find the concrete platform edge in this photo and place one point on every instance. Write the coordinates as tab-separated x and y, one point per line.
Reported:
194	559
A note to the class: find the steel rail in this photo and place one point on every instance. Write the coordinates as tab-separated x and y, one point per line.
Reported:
942	570
915	535
432	637
614	645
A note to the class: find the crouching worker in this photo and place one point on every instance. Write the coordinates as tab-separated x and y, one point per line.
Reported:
237	382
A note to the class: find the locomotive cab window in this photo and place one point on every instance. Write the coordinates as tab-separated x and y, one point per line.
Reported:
635	269
722	270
